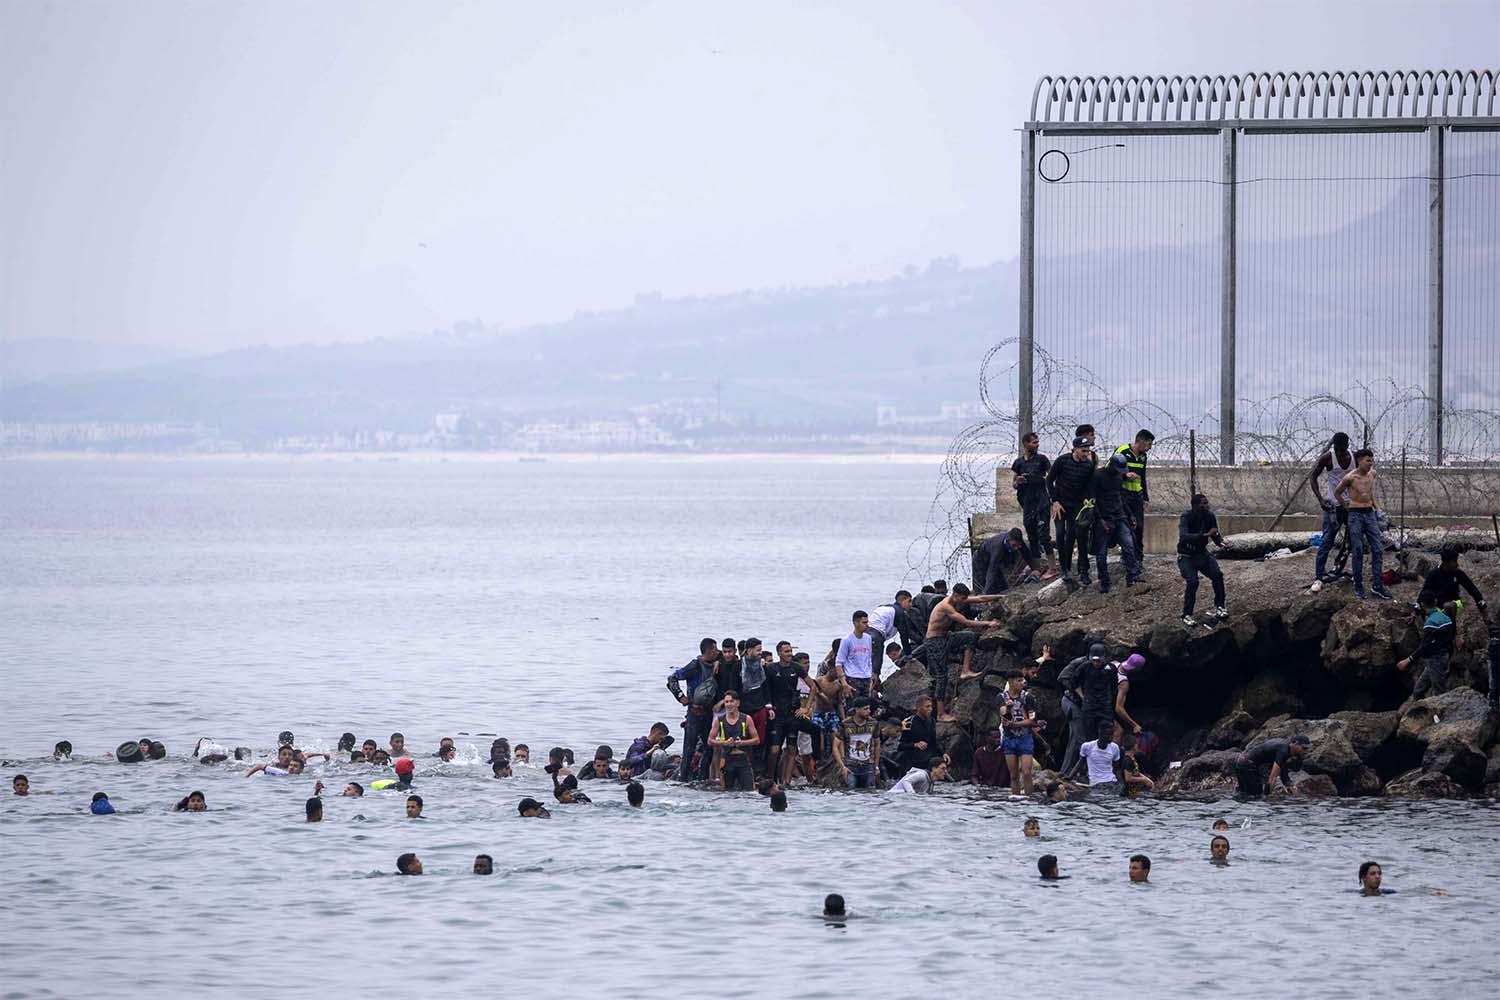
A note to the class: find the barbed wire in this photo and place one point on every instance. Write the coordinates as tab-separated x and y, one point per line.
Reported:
1281	435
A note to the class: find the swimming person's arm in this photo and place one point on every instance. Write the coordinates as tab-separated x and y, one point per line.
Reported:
255	770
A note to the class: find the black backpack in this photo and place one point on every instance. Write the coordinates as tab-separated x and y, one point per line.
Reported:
706	693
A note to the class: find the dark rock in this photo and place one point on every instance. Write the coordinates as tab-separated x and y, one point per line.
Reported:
957	745
1231	732
1273	692
1366	781
1365	640
1462	713
1316	786
1367	731
901	689
1207	775
1456	757
1306	619
1332	753
1492	767
1424	785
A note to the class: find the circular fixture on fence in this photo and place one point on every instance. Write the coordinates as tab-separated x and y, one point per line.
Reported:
1053	166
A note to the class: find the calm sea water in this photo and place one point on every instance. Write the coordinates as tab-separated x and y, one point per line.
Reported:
546	602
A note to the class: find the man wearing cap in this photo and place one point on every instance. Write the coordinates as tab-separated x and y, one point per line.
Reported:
532	809
600	767
1280	754
1112	521
1195	529
1092	682
405	771
1068	484
1126	672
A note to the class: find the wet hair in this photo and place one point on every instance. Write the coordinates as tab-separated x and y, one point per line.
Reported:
781	643
1341	441
802	656
1363	453
833	905
446	739
99	796
314	808
939	585
499	765
359	790
1029	821
1141	860
415	798
764	786
370	743
729	643
526	805
1144	435
381	757
660	727
1364	869
752	642
181	805
1015	535
706	644
928	588
397	736
285	738
635	793
158	751
903	595
1046	863
484	864
356	756
1217	838
778	801
960	590
404	863
1029	436
63	747
732	693
346	741
1221	820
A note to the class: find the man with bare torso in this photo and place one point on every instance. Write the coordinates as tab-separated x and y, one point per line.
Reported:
942	641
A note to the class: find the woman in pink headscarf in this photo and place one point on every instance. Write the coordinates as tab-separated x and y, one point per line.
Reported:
1126	670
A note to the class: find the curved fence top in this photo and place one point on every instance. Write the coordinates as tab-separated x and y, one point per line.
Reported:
1272	96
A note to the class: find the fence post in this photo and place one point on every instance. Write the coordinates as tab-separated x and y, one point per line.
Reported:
1229	143
1027	334
1401	537
1192	466
1435	296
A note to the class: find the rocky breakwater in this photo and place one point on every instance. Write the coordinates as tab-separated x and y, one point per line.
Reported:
1286	661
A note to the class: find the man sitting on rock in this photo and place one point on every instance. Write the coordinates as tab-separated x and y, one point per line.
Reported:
1437	647
1280	754
1195	529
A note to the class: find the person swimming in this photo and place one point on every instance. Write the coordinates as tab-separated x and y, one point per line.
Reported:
1218	850
414	807
521	754
1046	867
635	794
408	864
484	864
354	790
346	743
285	764
532	809
101	805
778	801
833	905
194	803
314	810
62	750
1032	827
20	785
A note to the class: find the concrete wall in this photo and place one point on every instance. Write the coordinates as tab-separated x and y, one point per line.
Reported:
1263	489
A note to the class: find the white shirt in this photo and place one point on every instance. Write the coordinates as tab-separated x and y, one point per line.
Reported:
856	655
883	619
915	782
1101	762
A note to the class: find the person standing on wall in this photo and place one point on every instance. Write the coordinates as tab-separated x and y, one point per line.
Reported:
1068	483
1357	492
1137	495
1338	463
1029	477
1195	529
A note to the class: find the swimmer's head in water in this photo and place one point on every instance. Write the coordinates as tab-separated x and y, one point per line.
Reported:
445	743
635	793
1369	877
285	738
1218	848
62	751
409	864
346	741
381	757
284	755
398	744
501	768
937	769
1032	827
522	753
158	751
405	766
413	806
314	809
833	905
531	808
447	754
101	805
196	803
145	744
354	790
356	757
369	747
1056	791
1140	868
778	801
484	864
20	784
296	767
1221	824
1046	866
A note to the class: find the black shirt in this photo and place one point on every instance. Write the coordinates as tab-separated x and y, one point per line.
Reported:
1033	470
1109	493
1278	752
1068	481
781	689
1194	529
1444	585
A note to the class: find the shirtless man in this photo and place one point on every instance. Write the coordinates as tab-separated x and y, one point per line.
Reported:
825	695
941	642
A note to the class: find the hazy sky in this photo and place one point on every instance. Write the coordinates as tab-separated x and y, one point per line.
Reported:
219	174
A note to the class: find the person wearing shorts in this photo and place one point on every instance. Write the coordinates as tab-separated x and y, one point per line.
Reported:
1018	722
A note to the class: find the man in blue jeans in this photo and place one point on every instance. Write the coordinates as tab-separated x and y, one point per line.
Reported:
856	748
1111	523
1357	492
1018	718
699	673
1337	463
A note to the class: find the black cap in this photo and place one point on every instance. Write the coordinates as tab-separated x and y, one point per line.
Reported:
1096	651
1080	442
526	804
1302	740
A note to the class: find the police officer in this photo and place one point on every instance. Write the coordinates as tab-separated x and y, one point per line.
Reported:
1137	496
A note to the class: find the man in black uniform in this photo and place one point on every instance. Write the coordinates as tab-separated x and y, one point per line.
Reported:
1195	529
1280	754
1068	484
1445	581
1137	495
995	555
1029	477
1112	523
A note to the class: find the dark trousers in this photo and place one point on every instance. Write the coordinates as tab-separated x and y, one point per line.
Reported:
1077	732
1434	676
1494	672
938	651
1333	520
1190	567
1071	537
1248	775
1117	531
1135	512
737	777
1036	511
694	735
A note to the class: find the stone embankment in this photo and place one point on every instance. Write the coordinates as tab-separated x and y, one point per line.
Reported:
1286	661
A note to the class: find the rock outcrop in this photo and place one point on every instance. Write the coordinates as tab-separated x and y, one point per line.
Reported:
1286	661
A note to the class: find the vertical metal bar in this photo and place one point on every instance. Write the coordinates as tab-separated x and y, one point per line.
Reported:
1401	542
1026	366
1435	296
1192	465
1226	317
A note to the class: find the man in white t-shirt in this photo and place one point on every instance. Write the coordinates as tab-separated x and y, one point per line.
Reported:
882	630
1101	755
856	658
919	782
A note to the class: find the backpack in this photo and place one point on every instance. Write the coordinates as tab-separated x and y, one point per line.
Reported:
1085	518
706	693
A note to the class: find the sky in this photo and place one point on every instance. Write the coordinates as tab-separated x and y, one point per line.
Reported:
212	175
